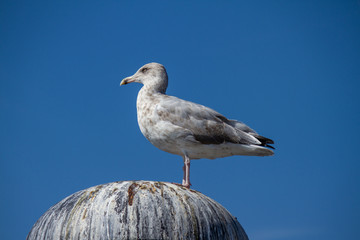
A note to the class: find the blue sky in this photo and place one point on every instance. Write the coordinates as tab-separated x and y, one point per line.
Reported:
289	69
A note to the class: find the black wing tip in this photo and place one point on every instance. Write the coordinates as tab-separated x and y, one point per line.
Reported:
265	141
269	146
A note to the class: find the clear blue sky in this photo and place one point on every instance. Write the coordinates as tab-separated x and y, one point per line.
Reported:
289	69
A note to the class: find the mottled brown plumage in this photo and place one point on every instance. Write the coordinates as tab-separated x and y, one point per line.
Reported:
188	129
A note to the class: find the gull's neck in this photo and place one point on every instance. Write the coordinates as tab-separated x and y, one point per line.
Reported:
155	87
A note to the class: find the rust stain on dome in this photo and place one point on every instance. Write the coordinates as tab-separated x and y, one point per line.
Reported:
131	193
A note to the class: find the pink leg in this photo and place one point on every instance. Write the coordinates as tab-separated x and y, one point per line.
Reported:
186	179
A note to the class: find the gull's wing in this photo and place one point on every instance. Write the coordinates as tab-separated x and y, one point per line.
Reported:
243	127
206	125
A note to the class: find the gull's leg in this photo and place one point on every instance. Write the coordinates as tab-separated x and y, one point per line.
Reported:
186	180
184	170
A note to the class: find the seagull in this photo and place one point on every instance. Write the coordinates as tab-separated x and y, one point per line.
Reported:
188	129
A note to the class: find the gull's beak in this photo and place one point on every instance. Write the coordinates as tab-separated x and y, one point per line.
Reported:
127	80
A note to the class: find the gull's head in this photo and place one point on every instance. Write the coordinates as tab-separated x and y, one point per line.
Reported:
152	75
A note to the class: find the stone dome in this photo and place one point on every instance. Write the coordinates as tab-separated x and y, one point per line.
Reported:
137	210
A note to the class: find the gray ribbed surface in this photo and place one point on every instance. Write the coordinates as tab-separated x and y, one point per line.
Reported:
137	210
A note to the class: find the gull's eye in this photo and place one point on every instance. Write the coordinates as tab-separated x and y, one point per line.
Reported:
144	70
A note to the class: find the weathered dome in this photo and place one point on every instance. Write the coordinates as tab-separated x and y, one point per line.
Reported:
137	210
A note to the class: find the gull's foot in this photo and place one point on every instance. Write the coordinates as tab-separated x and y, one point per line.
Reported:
182	185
